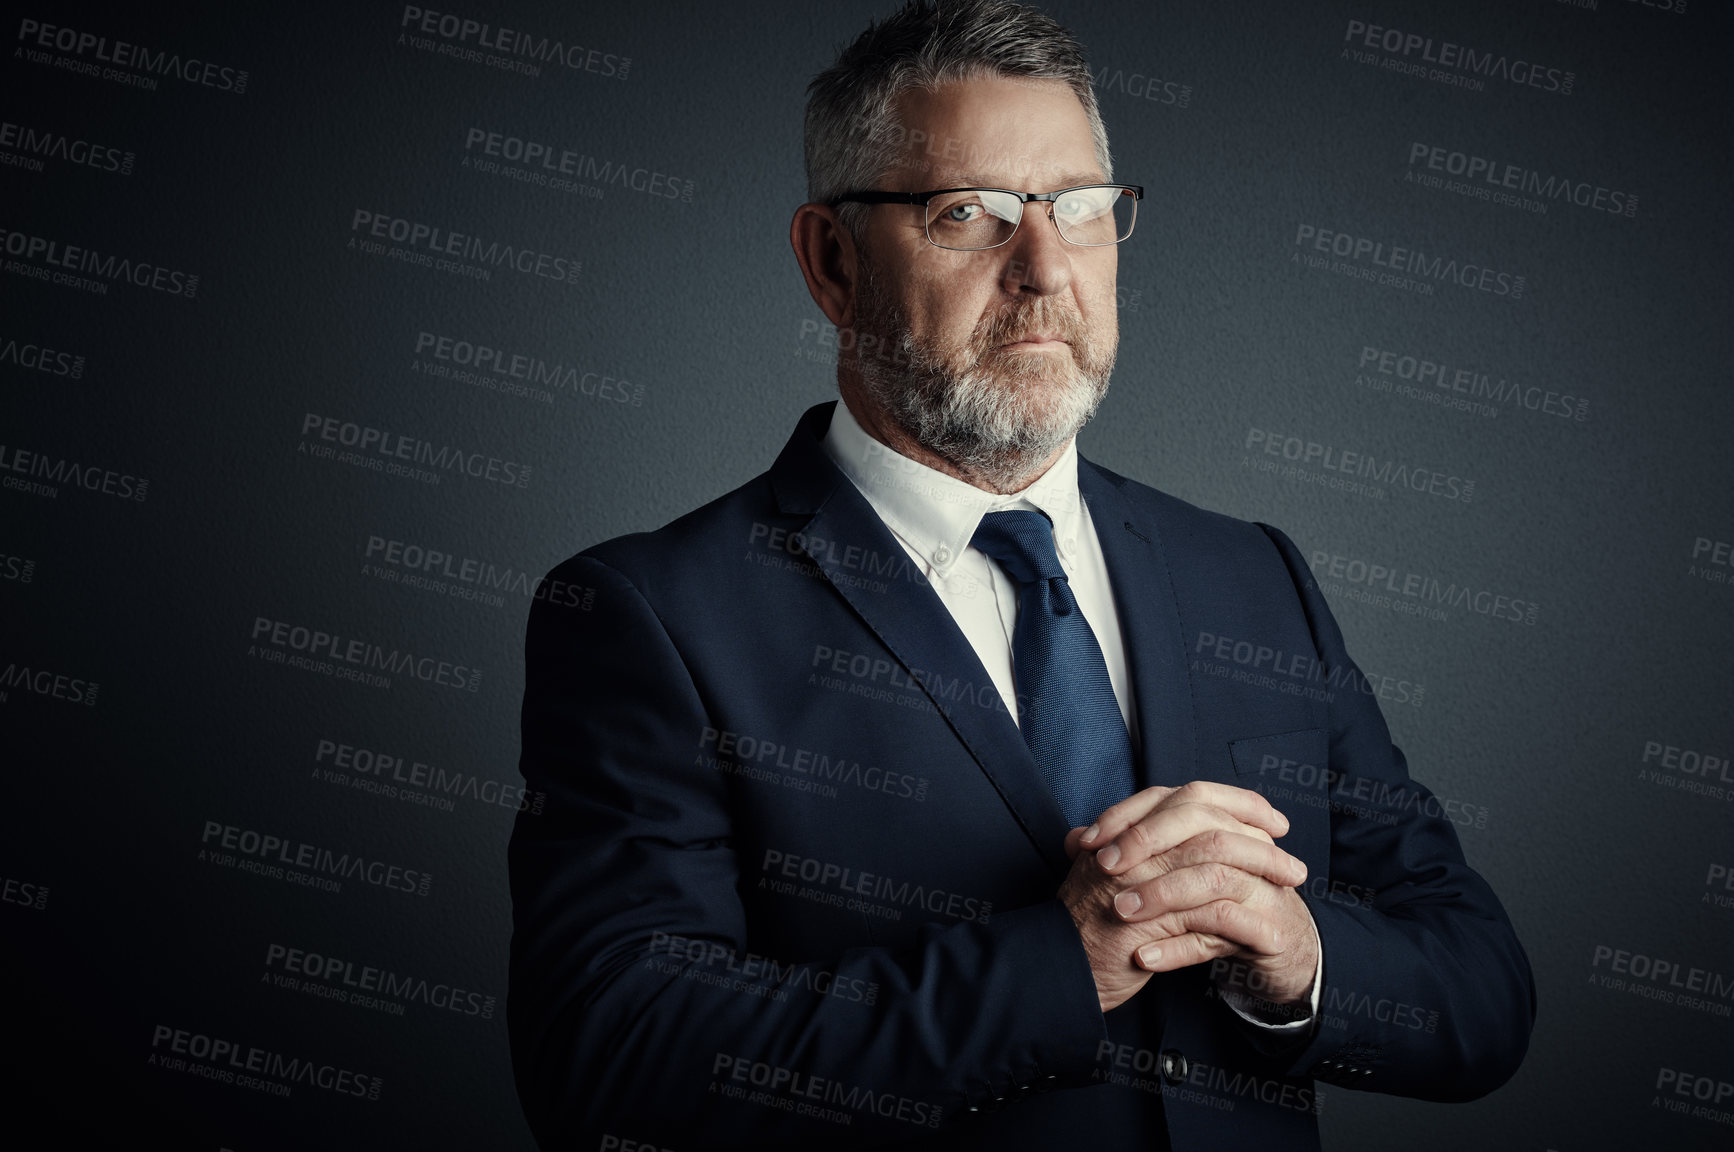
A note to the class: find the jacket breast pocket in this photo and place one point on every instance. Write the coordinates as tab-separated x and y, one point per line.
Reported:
1291	770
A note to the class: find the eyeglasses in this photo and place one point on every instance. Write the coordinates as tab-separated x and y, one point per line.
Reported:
970	219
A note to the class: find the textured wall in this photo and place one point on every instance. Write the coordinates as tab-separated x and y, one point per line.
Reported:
234	240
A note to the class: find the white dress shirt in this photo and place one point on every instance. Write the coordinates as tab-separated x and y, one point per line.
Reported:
934	517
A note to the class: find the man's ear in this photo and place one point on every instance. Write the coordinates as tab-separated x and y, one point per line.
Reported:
826	253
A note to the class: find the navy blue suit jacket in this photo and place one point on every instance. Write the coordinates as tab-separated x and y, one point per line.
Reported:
793	882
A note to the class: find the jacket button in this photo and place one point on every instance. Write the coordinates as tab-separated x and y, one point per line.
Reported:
1174	1066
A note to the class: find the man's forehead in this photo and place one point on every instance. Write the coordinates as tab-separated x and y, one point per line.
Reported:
1049	176
983	169
995	132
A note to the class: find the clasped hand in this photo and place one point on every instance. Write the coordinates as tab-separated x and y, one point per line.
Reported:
1171	877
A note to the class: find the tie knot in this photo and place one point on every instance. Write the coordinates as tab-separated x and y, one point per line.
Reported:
1022	543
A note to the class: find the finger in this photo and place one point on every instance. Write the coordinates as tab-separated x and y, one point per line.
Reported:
1075	843
1167	828
1248	850
1116	818
1241	803
1182	951
1253	930
1185	890
1254	855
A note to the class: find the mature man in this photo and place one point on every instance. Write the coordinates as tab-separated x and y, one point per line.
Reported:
904	796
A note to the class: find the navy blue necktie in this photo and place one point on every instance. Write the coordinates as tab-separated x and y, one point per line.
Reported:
1066	706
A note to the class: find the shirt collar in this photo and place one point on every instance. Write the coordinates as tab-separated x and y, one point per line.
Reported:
936	514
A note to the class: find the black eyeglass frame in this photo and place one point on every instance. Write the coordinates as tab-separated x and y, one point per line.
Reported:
923	199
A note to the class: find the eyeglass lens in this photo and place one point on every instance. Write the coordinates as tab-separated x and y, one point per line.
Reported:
983	218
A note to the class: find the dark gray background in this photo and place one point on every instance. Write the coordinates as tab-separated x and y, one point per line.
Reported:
700	307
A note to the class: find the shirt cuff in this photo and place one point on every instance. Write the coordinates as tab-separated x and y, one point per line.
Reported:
1236	997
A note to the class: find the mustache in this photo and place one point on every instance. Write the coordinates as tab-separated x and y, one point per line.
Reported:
1039	316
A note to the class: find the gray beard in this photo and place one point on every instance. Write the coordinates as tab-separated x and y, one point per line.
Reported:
998	419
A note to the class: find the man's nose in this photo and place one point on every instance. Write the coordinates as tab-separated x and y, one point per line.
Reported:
1037	260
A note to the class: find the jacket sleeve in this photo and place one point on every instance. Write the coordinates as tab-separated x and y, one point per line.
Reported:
1427	991
634	844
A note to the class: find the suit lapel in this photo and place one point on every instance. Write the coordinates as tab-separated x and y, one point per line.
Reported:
917	629
1150	620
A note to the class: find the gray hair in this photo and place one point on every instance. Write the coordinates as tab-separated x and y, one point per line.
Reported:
851	125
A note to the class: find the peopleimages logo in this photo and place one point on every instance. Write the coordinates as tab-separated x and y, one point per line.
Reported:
1412	593
531	375
1710	1092
1505	183
514	50
17	677
1712	560
385	771
1459	64
1246	662
467	577
37	358
263	852
232	1062
427	241
19	568
1667	980
71	258
1687	769
545	162
23	893
1348	462
751	973
1475	389
319	644
746	756
33	145
1196	1082
369	443
1677	7
1718	876
1141	87
871	884
120	54
50	470
794	1091
1407	261
349	982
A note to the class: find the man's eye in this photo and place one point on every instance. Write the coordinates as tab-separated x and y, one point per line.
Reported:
963	213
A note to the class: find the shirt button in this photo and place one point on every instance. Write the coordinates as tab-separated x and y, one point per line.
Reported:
942	555
1174	1065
